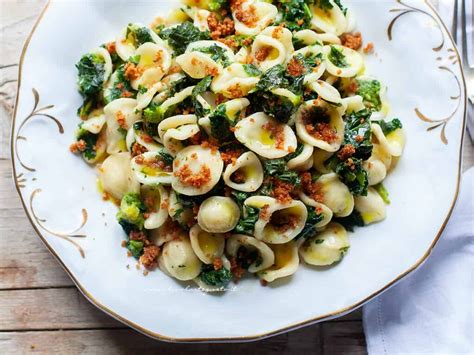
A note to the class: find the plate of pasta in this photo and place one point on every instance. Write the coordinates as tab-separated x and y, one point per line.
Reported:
245	166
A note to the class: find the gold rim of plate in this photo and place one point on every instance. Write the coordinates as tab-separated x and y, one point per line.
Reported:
307	322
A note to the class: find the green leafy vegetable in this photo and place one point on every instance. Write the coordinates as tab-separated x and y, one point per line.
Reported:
370	92
298	151
351	221
309	229
326	5
179	37
252	70
138	34
166	157
220	124
218	54
354	176
295	14
246	257
199	89
215	5
277	168
390	126
135	247
337	57
278	104
273	78
218	278
382	191
358	133
120	86
247	221
91	71
274	101
90	139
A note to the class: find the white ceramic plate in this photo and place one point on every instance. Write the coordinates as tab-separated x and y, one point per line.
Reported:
415	57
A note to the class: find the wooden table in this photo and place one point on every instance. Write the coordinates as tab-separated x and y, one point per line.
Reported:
40	308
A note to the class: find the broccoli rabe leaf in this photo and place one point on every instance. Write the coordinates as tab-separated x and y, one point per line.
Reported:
354	176
246	257
358	133
273	78
179	37
247	221
295	14
218	54
298	151
251	70
131	210
240	197
309	229
199	89
138	35
390	126
383	192
220	124
275	103
121	86
90	139
218	278
351	221
370	92
90	104
337	57
277	168
91	71
166	157
278	106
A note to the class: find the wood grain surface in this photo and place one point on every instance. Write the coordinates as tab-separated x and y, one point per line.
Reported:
40	308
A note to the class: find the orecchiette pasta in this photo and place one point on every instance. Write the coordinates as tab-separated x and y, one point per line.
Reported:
238	136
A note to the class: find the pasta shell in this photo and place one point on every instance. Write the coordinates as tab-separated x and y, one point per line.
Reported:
116	177
277	223
256	132
207	246
158	196
265	257
249	168
325	122
149	171
218	214
326	248
196	170
286	262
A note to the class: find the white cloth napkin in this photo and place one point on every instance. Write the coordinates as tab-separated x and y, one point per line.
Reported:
431	310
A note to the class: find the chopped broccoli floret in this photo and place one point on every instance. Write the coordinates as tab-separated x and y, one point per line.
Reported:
131	210
370	92
135	247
